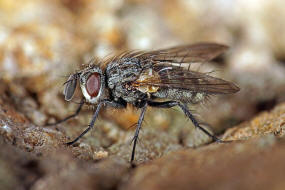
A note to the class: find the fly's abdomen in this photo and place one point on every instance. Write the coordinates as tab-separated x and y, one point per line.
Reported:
182	95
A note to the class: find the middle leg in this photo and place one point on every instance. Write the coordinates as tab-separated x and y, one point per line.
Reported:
139	124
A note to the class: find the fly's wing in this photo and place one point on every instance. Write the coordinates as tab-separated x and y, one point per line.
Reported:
167	70
177	77
201	52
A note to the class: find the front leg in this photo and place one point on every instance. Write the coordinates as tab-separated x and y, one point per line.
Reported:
70	116
99	106
187	112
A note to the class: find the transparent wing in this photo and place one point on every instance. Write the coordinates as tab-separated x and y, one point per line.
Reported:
166	64
201	52
177	77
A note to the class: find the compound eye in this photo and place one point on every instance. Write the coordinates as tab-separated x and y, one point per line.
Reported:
93	84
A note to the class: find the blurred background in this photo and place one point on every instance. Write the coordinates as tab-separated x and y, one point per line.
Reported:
42	42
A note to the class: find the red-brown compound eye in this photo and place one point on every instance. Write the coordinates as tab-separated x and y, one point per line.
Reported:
93	84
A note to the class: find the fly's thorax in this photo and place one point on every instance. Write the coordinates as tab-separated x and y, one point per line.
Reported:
122	71
120	76
92	83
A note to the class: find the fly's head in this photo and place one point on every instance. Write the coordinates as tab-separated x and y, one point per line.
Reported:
91	81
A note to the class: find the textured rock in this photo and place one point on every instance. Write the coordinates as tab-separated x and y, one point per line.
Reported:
151	145
272	122
63	172
254	164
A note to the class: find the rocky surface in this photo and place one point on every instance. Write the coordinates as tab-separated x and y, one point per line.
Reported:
252	164
43	42
34	157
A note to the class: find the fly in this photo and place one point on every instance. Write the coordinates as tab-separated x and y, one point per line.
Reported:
149	78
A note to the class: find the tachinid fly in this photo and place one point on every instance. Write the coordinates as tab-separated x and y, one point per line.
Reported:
149	78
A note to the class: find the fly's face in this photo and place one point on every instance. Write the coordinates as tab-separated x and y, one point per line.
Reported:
91	83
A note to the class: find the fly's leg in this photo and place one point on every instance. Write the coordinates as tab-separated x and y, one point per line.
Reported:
90	126
186	111
69	117
195	122
139	124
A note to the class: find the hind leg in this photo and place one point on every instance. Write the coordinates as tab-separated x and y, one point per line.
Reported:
169	104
